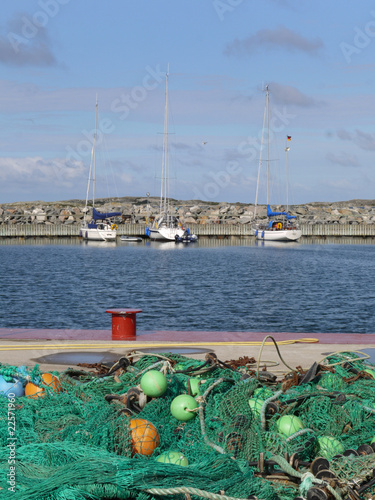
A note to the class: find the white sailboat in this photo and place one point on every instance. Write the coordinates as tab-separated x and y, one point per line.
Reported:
100	228
278	226
167	227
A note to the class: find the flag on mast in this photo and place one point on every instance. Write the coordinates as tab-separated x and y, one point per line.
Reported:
289	137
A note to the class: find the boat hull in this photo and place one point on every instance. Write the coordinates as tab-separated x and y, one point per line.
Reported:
95	234
165	233
279	235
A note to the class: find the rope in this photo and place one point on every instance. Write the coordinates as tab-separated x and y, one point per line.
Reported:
278	352
191	491
202	401
306	483
346	360
286	467
298	433
127	344
139	354
264	406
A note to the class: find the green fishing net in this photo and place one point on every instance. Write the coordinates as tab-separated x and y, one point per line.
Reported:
238	433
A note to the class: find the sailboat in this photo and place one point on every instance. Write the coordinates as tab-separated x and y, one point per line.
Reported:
278	226
167	227
100	228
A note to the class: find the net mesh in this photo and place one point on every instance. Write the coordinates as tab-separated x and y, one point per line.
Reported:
102	437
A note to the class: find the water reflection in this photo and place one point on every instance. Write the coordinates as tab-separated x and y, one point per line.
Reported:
37	241
203	242
277	244
337	240
98	244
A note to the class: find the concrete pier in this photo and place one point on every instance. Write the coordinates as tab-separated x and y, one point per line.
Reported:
55	349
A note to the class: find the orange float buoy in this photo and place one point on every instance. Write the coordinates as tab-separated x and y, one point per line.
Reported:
34	391
144	437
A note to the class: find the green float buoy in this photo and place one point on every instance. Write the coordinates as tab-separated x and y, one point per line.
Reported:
154	384
370	372
194	386
256	405
173	457
263	393
329	447
181	405
289	424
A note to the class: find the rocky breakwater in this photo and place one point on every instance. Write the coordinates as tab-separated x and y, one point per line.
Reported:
140	210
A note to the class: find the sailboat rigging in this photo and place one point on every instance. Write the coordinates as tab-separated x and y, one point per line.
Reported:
278	226
100	228
167	227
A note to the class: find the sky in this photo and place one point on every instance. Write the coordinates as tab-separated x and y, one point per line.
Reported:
317	59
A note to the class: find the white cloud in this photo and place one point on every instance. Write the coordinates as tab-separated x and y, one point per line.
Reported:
38	170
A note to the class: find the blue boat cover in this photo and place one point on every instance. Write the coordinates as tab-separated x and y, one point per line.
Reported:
99	216
273	214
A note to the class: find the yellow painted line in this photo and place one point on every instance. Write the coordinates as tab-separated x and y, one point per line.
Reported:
127	346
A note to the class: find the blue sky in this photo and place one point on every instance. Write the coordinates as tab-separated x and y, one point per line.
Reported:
317	57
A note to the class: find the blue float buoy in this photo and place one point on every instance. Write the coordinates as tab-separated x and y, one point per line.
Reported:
8	389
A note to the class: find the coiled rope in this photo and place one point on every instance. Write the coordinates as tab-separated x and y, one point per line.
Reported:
190	491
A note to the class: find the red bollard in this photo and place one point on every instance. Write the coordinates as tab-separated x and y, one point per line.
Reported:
124	323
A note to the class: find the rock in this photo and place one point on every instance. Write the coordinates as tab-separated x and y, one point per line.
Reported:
261	211
195	210
190	220
140	209
64	214
299	210
224	210
249	211
244	219
344	211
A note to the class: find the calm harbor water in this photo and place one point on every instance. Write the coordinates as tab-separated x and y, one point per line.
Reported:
219	285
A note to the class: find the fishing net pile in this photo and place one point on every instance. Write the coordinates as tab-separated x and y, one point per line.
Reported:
158	426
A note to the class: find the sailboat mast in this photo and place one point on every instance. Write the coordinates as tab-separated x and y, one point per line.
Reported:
287	178
92	162
260	160
94	150
164	173
268	145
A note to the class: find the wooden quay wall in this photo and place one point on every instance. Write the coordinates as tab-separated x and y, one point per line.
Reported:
218	230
